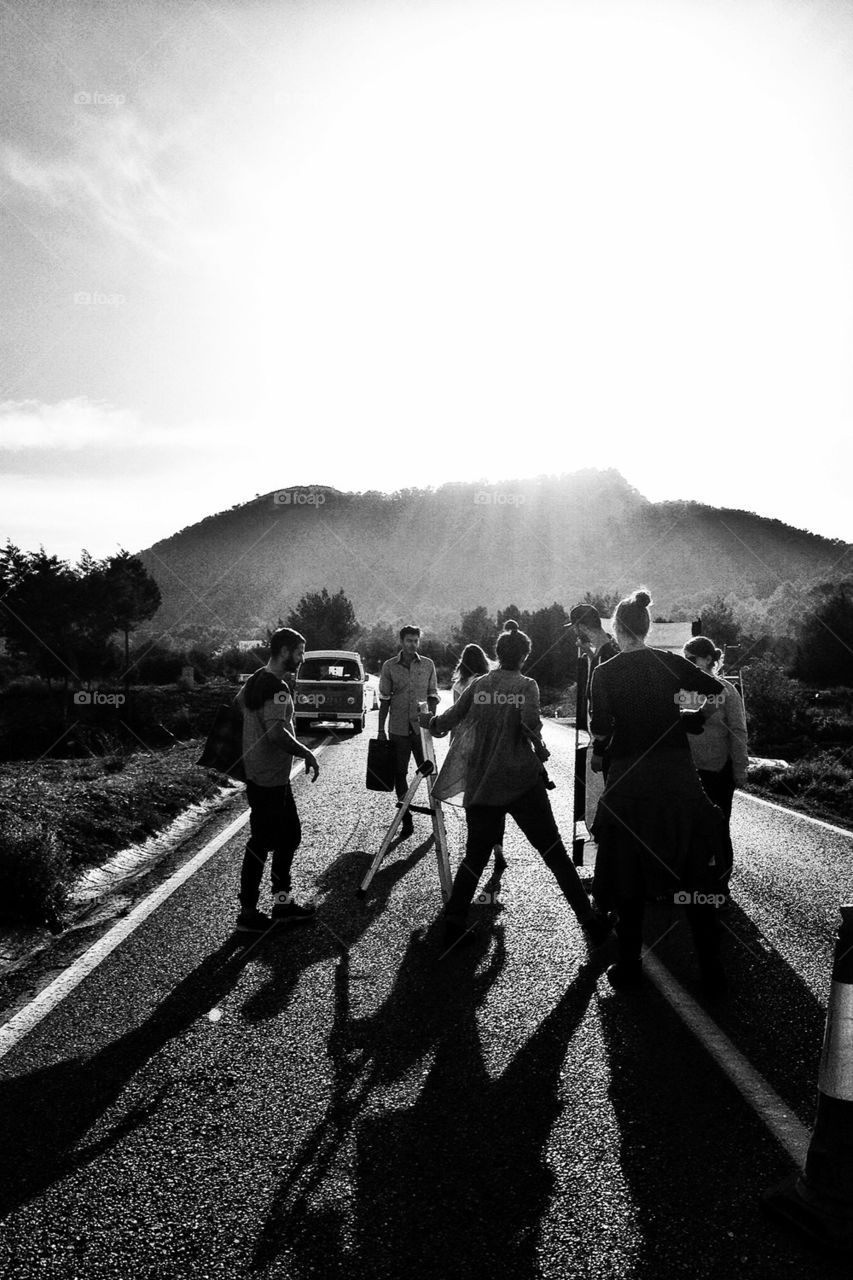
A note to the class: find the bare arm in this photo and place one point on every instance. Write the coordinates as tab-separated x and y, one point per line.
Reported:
432	691
385	691
283	738
449	719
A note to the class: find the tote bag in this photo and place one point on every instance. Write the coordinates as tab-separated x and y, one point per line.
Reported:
224	747
381	756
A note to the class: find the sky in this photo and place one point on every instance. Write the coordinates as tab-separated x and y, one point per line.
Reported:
377	244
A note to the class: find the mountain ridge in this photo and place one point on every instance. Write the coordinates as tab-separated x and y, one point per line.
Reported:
429	554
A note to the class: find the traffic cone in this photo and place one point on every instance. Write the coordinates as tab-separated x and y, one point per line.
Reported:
820	1200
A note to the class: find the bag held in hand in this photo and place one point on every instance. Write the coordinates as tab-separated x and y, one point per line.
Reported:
381	756
224	747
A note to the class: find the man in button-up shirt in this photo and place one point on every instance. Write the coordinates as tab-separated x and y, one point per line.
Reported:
406	680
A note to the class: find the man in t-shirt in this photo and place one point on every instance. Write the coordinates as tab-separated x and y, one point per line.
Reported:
269	745
406	680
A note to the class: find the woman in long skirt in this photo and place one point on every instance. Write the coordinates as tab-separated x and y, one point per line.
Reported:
656	830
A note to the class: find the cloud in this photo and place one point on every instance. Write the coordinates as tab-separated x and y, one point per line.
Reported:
78	474
73	426
111	173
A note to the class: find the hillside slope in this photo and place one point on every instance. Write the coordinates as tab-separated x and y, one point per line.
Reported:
429	554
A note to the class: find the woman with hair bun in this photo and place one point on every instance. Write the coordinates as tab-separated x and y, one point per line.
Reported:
494	768
719	752
656	830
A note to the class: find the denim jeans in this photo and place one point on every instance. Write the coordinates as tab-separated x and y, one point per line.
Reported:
274	826
532	812
406	745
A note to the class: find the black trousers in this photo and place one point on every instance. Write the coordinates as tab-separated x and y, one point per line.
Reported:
406	745
719	786
533	814
274	827
701	917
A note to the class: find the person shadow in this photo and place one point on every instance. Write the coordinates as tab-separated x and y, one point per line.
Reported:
453	1183
342	920
697	1164
46	1114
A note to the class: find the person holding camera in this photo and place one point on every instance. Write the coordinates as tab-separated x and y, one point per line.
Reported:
496	769
657	832
594	647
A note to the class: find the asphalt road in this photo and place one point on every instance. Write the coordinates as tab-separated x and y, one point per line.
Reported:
340	1101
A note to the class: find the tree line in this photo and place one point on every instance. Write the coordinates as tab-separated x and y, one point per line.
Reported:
61	621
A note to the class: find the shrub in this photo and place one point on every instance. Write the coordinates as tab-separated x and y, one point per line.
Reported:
34	873
776	709
825	779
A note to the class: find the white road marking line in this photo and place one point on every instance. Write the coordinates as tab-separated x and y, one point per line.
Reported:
13	1031
795	813
753	1088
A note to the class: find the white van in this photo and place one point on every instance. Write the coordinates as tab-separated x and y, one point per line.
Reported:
330	685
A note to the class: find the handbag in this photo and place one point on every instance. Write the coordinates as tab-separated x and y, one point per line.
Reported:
223	749
381	765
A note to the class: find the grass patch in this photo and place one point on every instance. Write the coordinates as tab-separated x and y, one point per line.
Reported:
58	817
821	785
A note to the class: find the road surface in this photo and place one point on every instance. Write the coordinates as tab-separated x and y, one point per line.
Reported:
341	1102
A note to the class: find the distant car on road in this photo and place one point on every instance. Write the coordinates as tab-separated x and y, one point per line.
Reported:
331	685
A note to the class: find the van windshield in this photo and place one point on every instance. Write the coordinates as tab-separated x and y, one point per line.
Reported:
329	669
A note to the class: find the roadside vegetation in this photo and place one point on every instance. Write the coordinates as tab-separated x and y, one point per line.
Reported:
60	817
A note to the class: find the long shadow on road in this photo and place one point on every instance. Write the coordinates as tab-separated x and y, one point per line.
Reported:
453	1183
694	1154
45	1115
341	922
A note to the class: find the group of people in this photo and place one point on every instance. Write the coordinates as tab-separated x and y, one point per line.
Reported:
661	823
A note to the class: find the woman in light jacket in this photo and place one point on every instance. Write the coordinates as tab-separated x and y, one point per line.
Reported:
472	664
719	751
493	763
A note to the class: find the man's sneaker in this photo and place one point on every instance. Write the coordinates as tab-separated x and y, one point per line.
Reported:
253	921
286	910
